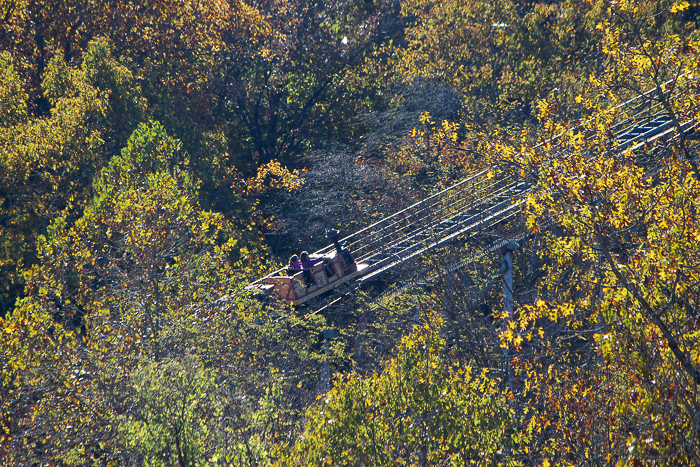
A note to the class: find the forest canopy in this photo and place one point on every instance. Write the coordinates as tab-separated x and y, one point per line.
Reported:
158	156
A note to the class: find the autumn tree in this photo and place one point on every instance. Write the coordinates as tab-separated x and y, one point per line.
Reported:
48	162
614	373
422	409
242	85
147	283
106	285
500	55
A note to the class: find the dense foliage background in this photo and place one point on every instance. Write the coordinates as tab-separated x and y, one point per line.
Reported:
158	155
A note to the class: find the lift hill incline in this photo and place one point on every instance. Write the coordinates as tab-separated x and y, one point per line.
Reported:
473	206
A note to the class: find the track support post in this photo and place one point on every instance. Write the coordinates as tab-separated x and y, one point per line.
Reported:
507	269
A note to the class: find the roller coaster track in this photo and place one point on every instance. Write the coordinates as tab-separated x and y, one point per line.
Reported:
474	205
482	201
645	119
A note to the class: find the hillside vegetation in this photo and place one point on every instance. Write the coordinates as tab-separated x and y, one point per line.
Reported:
157	156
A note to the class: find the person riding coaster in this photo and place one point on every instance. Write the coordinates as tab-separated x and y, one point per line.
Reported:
333	235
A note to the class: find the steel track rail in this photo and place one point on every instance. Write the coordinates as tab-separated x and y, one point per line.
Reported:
357	236
441	223
485	220
429	223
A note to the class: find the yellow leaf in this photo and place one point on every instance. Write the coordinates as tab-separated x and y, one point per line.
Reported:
679	6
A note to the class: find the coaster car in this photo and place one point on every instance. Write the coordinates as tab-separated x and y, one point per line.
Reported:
297	286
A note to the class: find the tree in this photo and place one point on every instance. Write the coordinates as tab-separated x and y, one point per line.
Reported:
500	55
47	162
175	400
106	291
615	373
422	409
147	283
